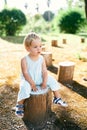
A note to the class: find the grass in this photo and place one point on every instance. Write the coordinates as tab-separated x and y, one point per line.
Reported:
12	48
14	39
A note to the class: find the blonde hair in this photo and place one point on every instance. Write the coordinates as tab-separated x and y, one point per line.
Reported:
29	38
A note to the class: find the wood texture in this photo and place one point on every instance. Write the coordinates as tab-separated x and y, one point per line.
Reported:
54	43
65	72
48	58
37	108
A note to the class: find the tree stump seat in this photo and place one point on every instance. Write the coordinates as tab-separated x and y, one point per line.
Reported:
65	72
48	58
37	106
54	43
64	41
82	40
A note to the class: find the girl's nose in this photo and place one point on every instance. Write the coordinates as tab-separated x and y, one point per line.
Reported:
39	48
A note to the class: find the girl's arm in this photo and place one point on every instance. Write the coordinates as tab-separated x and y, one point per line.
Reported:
26	75
44	74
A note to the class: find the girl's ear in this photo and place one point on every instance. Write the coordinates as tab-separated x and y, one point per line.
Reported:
27	48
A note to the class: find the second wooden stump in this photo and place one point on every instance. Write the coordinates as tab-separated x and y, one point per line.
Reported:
65	72
54	43
48	58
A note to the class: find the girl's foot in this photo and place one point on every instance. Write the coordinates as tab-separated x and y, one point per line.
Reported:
19	110
60	102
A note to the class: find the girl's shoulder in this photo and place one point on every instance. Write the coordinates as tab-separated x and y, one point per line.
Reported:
23	58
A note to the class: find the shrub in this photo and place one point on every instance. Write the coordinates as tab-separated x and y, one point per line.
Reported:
37	17
48	15
11	21
70	22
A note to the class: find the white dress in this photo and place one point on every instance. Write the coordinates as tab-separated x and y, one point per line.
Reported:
35	71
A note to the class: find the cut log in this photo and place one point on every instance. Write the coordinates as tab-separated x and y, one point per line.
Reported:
43	48
54	43
48	58
65	72
82	40
38	106
64	41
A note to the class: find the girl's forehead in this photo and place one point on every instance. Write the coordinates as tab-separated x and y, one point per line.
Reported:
36	42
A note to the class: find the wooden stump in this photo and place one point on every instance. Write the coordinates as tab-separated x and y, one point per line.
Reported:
64	41
65	72
82	40
38	106
43	48
48	58
54	43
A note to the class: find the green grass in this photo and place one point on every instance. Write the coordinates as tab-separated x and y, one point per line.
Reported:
14	39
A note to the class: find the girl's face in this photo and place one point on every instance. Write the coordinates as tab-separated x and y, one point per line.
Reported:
35	47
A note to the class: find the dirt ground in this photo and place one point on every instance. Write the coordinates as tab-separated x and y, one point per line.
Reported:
74	117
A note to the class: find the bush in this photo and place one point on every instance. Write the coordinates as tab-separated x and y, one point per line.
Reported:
70	22
48	15
11	21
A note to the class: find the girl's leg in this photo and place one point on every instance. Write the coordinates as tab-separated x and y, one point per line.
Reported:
54	85
21	102
56	93
23	93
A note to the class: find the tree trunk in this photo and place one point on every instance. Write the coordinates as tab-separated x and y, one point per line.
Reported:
5	2
85	7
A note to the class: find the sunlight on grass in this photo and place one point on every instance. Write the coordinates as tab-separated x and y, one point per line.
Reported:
11	54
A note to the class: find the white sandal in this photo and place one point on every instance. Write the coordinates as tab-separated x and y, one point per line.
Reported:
19	110
60	102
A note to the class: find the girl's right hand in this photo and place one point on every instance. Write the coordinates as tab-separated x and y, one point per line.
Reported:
33	86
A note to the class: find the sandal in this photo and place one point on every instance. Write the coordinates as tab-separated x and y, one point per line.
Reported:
60	102
19	110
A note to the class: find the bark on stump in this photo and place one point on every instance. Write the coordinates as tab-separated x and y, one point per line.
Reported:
48	58
43	48
54	43
65	72
38	107
82	40
64	41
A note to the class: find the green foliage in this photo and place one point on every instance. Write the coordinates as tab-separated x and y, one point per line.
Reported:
48	15
11	21
71	21
37	16
38	26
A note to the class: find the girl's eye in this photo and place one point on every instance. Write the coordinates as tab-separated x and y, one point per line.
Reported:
35	47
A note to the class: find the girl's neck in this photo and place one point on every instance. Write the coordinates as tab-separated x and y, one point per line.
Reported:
33	57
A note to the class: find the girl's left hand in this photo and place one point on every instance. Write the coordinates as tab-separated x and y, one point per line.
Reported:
43	86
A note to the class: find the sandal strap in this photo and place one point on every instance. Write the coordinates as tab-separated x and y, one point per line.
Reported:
56	100
19	112
20	106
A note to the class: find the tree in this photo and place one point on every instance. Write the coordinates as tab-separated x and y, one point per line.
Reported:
69	2
5	2
71	22
11	21
85	7
46	15
48	4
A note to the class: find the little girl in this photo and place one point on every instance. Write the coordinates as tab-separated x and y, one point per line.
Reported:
34	73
